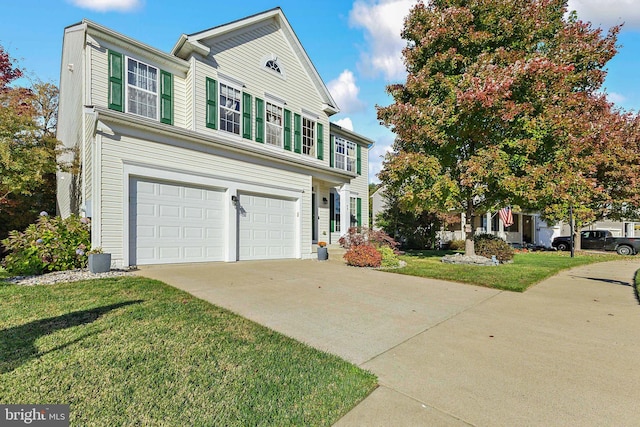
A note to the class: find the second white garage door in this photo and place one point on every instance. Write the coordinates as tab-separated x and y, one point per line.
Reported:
267	227
171	222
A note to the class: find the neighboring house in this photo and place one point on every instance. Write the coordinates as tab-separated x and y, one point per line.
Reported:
220	150
378	205
527	228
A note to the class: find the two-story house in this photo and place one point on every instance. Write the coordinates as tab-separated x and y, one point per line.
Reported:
220	150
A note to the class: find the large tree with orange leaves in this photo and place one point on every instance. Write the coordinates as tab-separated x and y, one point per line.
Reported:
502	106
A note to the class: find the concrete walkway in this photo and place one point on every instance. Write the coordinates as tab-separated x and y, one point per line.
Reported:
566	352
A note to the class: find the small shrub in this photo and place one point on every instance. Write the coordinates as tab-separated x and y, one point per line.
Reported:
487	245
389	257
457	245
363	256
51	244
357	236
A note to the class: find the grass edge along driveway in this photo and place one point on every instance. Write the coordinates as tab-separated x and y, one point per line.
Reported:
135	351
526	269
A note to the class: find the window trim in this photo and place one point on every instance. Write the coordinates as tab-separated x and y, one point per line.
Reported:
337	141
127	85
312	138
267	124
235	87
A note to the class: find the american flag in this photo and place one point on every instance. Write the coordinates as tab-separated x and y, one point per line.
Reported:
506	216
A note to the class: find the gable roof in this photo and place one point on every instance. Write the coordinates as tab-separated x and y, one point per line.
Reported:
192	43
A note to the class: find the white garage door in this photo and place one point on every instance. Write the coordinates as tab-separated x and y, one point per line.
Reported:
172	223
267	227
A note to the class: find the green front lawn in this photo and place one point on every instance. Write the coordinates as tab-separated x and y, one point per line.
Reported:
134	351
526	269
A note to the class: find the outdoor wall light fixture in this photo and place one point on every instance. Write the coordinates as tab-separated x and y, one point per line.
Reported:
234	200
324	200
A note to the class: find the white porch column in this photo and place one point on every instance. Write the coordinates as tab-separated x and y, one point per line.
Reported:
345	209
520	227
488	230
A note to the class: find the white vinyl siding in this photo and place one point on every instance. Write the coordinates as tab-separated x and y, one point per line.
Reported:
99	95
70	117
241	57
192	159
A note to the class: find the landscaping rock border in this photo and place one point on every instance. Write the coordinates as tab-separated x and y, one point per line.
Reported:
64	277
466	259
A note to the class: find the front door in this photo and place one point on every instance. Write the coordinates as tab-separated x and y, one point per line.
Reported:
527	229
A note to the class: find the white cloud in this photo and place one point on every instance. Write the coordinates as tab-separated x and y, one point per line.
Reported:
345	92
382	21
616	98
345	123
108	5
384	144
607	13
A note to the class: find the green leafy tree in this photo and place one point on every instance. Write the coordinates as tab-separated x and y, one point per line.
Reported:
414	230
27	148
502	106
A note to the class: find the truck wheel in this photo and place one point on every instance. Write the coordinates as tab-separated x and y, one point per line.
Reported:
563	247
624	250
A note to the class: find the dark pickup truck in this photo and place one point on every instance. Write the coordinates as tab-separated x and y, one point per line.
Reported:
601	240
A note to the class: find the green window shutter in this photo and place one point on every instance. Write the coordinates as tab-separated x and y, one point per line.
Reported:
287	130
246	115
166	97
116	76
259	120
212	104
359	211
332	149
320	140
297	133
359	161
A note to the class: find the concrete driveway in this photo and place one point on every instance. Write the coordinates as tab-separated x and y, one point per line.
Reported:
563	353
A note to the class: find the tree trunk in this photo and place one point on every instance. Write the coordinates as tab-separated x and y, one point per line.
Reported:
469	248
576	240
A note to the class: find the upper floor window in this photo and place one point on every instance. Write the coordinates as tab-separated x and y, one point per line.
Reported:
345	154
308	136
142	89
272	64
274	124
229	109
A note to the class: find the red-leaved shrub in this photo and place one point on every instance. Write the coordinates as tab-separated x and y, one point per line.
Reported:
364	255
357	236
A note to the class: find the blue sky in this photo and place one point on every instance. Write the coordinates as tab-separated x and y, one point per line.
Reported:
354	44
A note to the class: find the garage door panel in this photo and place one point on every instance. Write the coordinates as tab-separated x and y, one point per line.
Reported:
175	223
193	252
169	211
194	213
171	232
170	190
194	233
169	254
267	227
